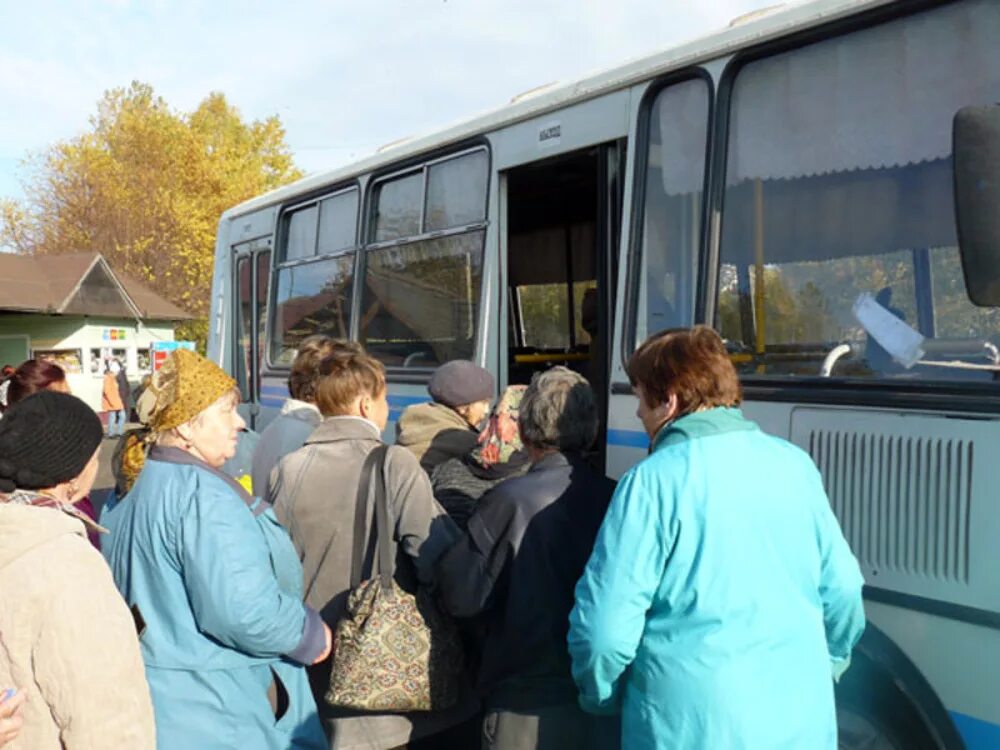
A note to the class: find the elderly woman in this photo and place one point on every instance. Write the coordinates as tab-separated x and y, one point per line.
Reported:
525	548
448	425
721	591
460	482
36	375
212	579
68	642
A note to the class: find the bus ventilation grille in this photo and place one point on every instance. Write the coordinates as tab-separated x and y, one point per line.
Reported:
902	502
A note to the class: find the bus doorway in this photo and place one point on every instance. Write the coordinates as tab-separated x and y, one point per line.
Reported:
563	224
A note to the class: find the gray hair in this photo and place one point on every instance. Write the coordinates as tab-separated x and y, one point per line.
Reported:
558	411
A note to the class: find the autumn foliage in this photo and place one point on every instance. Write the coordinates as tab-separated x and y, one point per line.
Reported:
145	186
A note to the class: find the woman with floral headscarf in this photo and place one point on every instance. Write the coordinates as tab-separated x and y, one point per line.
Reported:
460	482
212	578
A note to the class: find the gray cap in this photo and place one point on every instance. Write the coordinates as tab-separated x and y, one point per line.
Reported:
460	382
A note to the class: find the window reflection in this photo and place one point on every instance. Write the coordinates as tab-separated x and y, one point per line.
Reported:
314	298
420	302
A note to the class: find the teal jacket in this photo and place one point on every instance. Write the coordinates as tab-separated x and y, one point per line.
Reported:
218	585
719	597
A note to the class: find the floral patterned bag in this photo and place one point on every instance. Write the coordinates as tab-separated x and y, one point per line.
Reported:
394	651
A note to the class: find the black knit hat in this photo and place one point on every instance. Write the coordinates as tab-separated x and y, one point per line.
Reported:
45	440
460	382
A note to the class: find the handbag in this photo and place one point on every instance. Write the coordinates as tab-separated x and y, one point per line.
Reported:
394	651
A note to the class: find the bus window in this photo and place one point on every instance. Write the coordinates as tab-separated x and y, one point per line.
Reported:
301	238
338	216
314	295
398	208
420	298
839	184
263	294
244	324
672	207
456	192
545	310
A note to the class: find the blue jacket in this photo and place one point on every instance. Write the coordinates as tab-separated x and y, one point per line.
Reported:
219	587
719	596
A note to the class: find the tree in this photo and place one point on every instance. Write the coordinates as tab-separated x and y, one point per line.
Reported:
145	186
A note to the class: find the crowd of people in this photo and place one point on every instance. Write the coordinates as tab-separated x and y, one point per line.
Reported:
695	604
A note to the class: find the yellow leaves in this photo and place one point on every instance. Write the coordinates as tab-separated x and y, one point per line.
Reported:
146	185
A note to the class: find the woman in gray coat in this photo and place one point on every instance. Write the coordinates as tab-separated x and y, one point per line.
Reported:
299	414
314	491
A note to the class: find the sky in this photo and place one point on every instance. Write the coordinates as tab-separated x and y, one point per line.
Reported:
345	77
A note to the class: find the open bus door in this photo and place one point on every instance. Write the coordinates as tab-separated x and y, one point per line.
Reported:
562	222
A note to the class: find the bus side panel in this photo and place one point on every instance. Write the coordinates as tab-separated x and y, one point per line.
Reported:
961	660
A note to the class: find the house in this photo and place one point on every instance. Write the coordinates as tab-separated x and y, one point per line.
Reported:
76	311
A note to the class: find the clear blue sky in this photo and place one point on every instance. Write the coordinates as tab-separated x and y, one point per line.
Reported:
344	76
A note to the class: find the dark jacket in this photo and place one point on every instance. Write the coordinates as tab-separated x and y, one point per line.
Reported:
124	390
459	483
526	547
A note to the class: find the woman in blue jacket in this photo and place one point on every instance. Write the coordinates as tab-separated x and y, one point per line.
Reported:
213	581
721	594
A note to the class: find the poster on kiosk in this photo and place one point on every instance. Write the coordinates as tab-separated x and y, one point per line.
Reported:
162	349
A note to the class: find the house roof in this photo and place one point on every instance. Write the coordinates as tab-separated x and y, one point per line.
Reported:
77	284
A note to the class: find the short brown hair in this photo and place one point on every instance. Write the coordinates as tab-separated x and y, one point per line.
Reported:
305	369
691	363
344	375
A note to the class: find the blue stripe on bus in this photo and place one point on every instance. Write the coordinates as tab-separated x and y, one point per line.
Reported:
274	390
628	439
978	734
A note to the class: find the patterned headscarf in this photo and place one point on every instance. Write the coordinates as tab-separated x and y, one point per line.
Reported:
180	390
501	439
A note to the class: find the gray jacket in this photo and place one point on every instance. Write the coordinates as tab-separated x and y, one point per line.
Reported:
288	432
314	491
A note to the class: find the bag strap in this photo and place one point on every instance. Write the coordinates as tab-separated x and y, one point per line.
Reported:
383	528
373	464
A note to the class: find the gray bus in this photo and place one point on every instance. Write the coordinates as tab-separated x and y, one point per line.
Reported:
789	180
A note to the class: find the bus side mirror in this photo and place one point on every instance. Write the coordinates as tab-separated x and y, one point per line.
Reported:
976	147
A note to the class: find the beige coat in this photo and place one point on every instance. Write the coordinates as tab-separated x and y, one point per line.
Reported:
435	433
67	639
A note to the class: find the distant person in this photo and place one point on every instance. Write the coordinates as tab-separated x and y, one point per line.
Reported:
214	577
137	394
448	426
515	569
124	392
315	492
299	414
459	483
721	597
111	400
68	641
36	375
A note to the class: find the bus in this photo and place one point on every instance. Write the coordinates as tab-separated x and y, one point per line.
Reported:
788	180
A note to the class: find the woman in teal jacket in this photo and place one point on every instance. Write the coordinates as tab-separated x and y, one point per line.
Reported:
213	581
721	596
